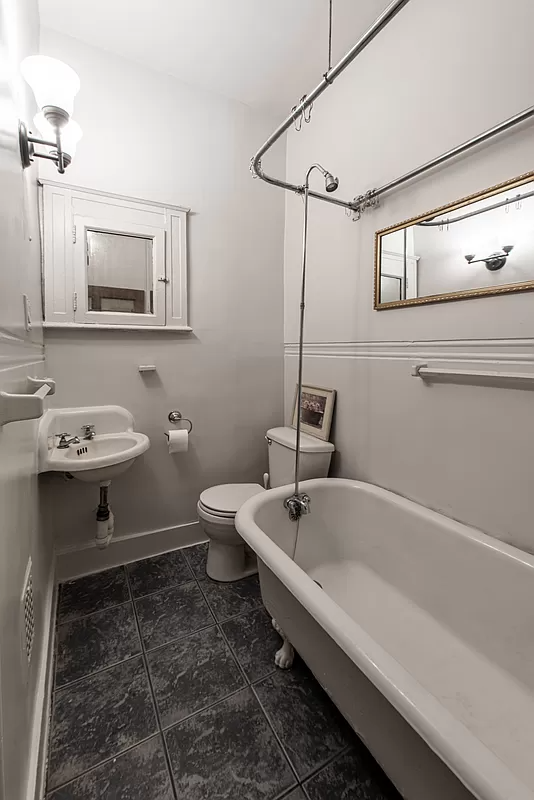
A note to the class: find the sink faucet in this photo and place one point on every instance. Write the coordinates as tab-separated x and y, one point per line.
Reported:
298	505
65	442
88	431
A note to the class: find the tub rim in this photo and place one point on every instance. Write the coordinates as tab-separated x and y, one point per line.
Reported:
478	767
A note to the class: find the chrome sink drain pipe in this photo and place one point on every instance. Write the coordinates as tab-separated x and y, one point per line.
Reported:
105	521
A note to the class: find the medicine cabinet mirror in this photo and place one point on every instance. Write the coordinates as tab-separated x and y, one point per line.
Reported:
112	262
480	245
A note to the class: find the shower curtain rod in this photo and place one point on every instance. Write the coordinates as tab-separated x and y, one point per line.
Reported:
328	78
368	199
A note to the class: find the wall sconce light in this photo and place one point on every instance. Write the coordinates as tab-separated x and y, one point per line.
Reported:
55	86
495	261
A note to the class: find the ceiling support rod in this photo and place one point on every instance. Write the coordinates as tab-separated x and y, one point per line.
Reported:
370	199
384	18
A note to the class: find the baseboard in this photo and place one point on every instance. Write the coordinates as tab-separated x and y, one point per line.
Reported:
73	562
43	700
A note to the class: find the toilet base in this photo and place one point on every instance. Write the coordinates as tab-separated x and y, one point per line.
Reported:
227	562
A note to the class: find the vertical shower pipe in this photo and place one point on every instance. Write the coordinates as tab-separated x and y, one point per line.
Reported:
299	504
301	327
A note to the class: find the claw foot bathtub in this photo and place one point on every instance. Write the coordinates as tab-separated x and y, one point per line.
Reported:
422	633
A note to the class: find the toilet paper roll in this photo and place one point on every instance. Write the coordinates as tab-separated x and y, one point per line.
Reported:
178	441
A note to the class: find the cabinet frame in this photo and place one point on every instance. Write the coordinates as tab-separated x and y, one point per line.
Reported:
66	213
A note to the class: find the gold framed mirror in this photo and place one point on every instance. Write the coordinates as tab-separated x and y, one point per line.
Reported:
480	245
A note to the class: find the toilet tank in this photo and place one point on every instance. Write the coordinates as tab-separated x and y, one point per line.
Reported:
315	456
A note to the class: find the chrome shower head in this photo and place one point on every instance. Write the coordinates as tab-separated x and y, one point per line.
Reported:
330	182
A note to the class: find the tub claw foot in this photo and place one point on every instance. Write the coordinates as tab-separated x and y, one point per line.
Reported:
284	657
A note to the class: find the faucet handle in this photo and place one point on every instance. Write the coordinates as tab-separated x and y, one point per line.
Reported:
88	430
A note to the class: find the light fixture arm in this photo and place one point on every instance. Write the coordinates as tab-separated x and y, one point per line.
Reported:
493	262
28	152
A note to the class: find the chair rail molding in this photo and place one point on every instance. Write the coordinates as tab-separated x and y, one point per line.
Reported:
509	351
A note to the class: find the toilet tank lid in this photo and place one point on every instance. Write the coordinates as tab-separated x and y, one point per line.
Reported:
229	497
287	437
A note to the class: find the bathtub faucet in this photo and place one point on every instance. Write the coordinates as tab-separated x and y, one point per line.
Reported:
297	505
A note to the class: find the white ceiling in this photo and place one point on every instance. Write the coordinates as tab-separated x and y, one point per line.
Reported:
265	53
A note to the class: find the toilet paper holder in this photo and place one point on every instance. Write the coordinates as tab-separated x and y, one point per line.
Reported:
176	417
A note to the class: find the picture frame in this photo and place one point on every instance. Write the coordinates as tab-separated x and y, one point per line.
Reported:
317	410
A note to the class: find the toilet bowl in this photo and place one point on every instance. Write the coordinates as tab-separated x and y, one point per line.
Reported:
229	558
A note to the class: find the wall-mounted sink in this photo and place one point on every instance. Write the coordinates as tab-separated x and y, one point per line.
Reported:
112	451
101	458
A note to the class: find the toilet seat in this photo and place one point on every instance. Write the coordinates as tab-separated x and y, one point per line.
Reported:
225	500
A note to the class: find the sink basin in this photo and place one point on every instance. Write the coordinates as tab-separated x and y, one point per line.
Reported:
101	458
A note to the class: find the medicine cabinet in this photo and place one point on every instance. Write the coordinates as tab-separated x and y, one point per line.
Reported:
112	262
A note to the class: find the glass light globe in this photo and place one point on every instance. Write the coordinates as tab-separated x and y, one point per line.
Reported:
53	82
70	134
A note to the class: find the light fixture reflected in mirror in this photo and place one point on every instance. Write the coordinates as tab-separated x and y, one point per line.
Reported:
55	86
494	261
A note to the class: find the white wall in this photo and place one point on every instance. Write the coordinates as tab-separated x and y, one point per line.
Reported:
21	354
463	450
148	135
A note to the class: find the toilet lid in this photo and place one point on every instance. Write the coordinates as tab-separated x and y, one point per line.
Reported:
229	497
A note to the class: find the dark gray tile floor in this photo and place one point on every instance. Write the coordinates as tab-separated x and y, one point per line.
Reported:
166	689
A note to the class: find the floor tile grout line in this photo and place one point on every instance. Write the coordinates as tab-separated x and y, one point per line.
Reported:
205	708
264	677
223	633
234	656
102	763
215	624
200	581
135	598
89	575
97	671
316	770
154	700
243	613
249	681
259	607
285	793
220	625
225	639
151	650
92	613
277	737
220	699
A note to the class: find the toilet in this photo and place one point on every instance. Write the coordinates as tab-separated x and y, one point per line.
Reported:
229	558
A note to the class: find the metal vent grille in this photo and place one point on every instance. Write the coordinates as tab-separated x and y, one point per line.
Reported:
28	613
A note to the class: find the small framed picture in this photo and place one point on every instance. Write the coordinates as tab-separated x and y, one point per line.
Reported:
316	411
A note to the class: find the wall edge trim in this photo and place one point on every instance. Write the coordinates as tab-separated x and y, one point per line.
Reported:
77	560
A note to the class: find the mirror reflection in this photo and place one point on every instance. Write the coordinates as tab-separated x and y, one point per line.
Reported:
481	245
119	273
